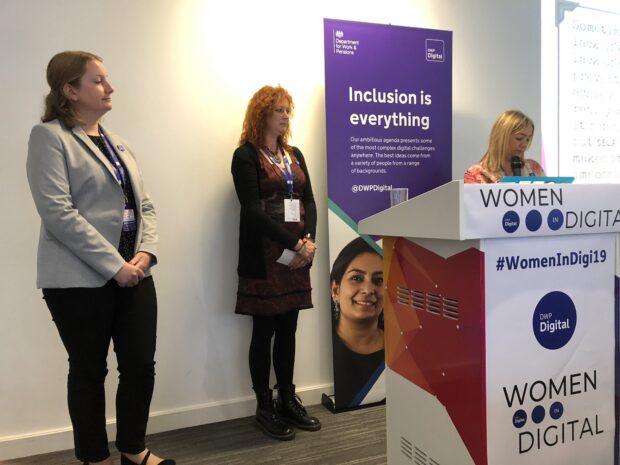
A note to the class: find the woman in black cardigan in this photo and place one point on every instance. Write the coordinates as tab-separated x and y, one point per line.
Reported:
276	249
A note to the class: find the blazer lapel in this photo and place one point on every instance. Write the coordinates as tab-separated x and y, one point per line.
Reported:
81	135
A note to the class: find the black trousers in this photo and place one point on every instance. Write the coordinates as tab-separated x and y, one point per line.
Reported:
263	330
87	319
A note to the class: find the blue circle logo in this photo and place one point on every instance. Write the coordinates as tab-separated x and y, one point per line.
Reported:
556	410
533	220
519	419
555	219
554	321
510	221
538	414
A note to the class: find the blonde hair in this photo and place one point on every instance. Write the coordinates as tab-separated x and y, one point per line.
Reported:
260	107
65	68
506	125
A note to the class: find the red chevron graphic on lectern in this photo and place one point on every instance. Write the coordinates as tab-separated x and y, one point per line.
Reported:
434	320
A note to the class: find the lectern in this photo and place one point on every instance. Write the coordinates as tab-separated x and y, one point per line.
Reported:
501	324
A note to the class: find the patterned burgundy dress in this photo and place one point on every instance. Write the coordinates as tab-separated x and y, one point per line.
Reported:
284	289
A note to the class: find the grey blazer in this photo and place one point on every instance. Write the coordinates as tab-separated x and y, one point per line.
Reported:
81	205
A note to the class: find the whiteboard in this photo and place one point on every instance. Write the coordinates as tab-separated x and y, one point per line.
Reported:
589	95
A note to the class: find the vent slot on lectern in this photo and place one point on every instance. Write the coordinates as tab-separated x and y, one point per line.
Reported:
433	304
419	299
403	296
420	457
451	308
429	302
406	448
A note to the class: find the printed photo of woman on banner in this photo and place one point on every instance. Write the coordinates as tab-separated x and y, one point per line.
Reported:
356	283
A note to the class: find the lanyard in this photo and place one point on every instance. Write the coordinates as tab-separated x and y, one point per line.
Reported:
121	177
288	174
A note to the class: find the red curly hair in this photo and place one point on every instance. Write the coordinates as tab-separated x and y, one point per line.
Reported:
261	105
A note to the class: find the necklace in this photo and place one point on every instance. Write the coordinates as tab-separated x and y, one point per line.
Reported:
275	156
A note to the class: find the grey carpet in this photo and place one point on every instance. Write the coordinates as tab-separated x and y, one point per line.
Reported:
348	438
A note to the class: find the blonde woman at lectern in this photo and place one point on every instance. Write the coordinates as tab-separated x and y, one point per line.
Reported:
97	245
510	137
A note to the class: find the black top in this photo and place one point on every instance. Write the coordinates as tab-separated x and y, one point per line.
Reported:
127	243
352	372
254	223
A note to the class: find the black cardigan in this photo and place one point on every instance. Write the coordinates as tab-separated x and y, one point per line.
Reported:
254	223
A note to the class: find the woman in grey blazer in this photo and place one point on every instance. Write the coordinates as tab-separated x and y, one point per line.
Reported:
97	244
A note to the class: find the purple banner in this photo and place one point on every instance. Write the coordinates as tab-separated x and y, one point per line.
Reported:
388	99
388	102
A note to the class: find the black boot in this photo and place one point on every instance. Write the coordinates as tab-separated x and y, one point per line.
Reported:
293	412
268	420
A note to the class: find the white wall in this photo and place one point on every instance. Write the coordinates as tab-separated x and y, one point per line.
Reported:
184	71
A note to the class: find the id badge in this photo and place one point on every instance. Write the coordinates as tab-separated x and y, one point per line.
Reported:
129	219
291	211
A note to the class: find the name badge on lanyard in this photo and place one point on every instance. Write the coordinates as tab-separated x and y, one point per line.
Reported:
292	209
129	214
129	220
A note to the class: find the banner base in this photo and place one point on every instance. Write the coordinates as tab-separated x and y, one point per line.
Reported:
329	402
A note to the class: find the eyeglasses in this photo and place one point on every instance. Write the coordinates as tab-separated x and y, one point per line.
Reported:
283	110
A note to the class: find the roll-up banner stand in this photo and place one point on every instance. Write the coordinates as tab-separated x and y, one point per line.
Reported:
388	103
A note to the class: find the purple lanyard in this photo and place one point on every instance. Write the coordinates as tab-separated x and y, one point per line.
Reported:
118	166
288	174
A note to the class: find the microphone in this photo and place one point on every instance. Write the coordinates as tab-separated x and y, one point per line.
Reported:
516	164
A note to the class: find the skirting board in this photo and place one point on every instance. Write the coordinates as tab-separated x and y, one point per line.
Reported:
42	442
